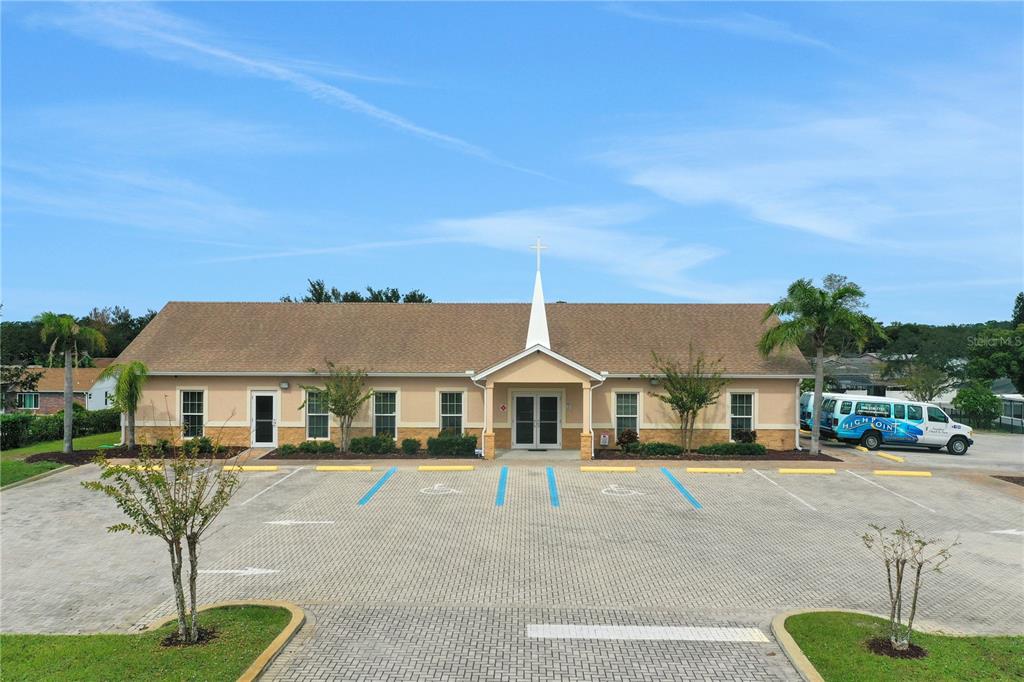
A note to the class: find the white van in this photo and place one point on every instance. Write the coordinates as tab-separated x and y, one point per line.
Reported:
807	405
871	422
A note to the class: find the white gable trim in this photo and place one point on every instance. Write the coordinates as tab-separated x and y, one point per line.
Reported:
537	348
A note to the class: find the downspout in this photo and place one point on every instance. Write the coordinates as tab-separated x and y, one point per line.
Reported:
591	409
797	427
483	430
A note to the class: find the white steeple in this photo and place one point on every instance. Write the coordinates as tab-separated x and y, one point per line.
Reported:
537	334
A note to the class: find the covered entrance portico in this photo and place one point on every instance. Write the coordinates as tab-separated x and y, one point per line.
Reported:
537	400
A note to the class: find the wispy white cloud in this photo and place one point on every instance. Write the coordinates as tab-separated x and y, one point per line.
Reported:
904	172
737	23
605	238
138	199
160	34
139	129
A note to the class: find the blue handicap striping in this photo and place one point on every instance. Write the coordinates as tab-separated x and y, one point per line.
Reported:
552	487
682	490
377	486
502	482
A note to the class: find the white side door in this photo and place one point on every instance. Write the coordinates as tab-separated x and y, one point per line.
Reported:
936	426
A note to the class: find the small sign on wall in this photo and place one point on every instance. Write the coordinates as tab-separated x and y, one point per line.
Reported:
604	440
502	407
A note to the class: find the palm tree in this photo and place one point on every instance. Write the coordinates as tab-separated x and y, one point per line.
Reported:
818	318
67	334
129	378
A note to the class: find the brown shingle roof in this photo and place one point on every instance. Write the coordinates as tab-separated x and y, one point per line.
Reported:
446	337
53	379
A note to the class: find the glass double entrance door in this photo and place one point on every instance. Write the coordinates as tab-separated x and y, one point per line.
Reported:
537	423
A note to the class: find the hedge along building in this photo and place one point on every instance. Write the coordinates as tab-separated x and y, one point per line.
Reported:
564	376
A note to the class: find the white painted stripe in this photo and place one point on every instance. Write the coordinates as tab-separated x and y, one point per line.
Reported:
648	632
784	490
280	480
893	492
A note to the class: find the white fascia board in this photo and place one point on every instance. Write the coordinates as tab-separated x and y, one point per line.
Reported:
537	348
293	373
626	375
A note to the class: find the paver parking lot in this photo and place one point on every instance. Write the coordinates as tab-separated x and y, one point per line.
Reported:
432	578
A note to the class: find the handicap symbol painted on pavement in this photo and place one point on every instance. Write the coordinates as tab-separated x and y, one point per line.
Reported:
616	491
440	489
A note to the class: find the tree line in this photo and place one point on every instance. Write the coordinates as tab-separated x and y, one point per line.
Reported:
23	342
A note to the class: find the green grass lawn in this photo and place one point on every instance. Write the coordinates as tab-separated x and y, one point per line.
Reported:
13	468
81	443
243	632
834	643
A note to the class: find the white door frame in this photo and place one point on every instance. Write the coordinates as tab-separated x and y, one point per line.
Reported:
276	395
537	395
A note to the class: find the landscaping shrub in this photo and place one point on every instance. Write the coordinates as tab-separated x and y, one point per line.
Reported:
411	446
733	449
19	429
326	447
287	449
204	445
744	436
14	430
310	447
373	445
628	441
660	449
448	444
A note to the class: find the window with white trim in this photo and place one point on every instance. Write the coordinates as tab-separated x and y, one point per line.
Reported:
317	418
28	401
385	413
741	413
191	414
451	411
627	413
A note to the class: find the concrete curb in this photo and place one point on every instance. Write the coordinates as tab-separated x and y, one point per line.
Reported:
792	650
37	477
268	655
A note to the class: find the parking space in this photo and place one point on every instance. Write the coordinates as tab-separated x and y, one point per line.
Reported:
504	547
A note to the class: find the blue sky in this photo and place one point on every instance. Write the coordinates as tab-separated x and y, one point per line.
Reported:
664	152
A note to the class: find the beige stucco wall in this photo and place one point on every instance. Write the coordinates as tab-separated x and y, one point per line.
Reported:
228	404
228	401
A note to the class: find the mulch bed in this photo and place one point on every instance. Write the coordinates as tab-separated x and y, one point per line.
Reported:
881	646
79	457
1019	480
780	455
277	454
205	635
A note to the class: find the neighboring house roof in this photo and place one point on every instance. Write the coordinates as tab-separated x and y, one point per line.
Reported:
446	337
53	379
102	363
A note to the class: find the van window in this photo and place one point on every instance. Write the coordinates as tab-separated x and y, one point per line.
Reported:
936	415
873	409
828	405
899	411
845	407
914	413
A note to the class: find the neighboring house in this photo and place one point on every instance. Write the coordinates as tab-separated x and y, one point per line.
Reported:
564	376
48	397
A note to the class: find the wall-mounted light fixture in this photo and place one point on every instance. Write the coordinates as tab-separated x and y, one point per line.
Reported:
284	384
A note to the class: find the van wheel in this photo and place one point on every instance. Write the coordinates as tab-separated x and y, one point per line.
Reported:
871	440
957	446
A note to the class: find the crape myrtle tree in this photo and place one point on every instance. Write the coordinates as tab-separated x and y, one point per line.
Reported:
175	499
907	556
129	380
826	318
344	392
63	332
687	389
